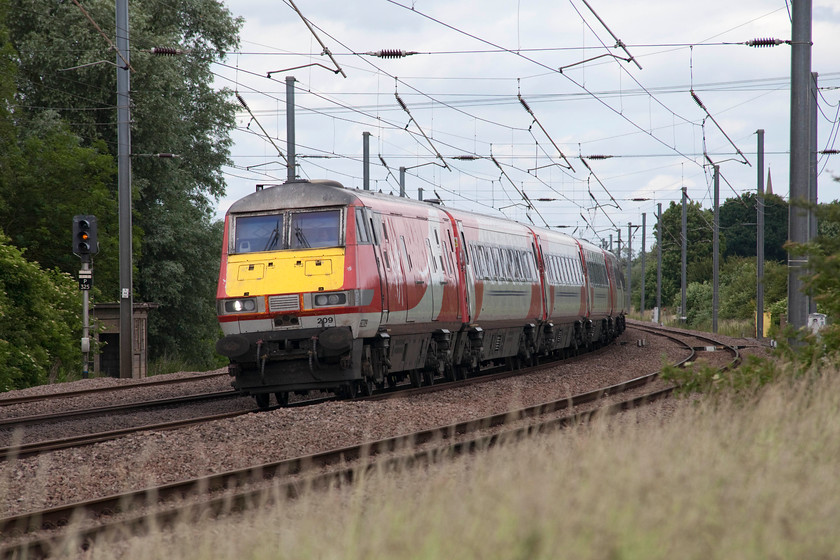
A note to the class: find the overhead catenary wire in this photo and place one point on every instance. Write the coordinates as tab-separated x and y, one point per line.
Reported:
325	49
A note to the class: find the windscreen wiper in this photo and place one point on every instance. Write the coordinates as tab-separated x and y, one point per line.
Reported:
273	238
301	237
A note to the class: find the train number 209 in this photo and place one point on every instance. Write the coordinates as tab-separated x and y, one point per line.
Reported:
326	321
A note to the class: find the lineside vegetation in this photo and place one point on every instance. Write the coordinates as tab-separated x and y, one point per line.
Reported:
752	477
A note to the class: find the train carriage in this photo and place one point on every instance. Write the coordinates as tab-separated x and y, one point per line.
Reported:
567	298
504	289
323	287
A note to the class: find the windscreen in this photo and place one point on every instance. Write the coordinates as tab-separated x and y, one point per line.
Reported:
315	229
258	233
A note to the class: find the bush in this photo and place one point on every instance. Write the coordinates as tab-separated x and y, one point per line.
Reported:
40	322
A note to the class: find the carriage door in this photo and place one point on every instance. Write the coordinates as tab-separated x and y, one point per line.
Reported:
469	279
544	287
417	279
373	220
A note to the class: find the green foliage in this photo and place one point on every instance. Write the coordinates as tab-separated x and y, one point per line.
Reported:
738	287
824	260
52	178
698	298
190	329
703	378
40	321
175	109
699	242
799	353
738	222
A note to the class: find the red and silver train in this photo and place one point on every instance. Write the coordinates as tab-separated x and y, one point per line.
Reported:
323	287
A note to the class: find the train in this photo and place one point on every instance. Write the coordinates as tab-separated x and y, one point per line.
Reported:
323	287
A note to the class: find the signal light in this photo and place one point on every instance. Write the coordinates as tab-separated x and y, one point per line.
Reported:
84	235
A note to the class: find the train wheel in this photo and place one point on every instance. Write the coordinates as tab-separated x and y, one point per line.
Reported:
366	387
282	398
348	390
262	400
428	377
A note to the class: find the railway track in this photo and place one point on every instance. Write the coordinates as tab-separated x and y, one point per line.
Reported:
8	401
242	488
36	448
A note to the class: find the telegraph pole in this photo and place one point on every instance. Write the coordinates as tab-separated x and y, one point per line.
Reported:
812	185
402	182
124	191
629	264
366	160
659	263
642	295
683	314
759	240
800	98
716	252
290	128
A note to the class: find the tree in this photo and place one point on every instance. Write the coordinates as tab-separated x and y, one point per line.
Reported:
699	255
174	110
738	287
49	179
40	320
823	253
738	220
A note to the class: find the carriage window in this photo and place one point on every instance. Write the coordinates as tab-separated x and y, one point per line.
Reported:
405	251
315	229
258	233
431	255
362	234
520	273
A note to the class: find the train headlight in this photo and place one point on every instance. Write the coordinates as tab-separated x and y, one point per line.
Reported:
243	305
335	298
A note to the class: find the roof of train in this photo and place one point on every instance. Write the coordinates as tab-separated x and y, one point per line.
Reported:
315	193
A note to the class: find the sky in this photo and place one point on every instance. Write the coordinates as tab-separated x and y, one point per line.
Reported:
527	108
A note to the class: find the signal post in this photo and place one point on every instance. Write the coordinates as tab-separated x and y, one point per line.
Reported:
85	244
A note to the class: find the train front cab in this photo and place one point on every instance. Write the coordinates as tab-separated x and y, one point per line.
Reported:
292	299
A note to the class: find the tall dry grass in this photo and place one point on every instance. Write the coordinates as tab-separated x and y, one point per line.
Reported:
715	479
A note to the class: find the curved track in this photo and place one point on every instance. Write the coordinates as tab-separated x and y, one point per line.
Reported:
243	487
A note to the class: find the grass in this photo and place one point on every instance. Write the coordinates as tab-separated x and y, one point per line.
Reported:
719	478
736	328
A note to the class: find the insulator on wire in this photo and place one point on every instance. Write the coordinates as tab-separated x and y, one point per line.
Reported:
466	158
391	53
402	103
598	157
524	104
166	51
697	100
764	42
830	151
